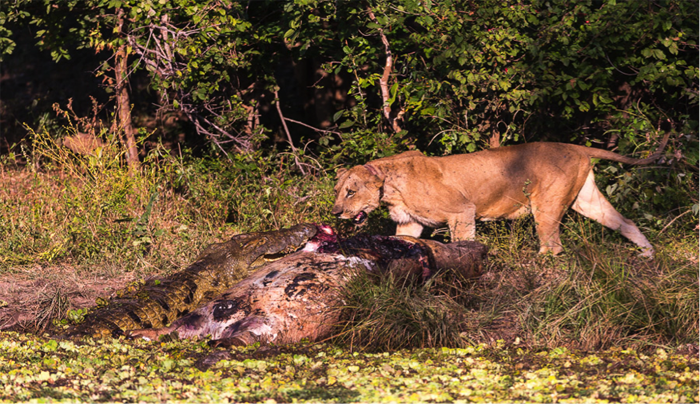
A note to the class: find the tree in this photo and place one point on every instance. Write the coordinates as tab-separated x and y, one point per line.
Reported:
449	76
94	24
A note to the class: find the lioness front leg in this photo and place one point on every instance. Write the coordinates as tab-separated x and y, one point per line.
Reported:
463	227
412	229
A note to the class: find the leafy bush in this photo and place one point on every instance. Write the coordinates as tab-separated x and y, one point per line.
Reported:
446	75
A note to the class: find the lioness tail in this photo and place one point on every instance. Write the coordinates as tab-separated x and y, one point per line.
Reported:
608	155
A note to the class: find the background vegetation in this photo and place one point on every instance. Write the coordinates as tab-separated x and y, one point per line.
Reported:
339	83
134	133
238	90
444	76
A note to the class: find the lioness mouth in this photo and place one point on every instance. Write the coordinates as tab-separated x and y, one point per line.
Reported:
359	218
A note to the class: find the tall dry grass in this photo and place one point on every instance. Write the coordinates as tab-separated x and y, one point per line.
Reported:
92	210
598	294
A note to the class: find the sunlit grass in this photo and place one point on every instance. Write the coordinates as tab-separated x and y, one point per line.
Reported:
597	295
91	210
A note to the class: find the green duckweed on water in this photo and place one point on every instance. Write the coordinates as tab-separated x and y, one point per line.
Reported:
36	369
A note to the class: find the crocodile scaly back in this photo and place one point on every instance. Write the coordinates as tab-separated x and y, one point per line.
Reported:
158	302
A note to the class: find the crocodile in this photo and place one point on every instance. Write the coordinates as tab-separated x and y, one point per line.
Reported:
297	297
159	301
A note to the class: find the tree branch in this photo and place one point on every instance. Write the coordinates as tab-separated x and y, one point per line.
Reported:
313	128
286	130
160	56
384	81
121	77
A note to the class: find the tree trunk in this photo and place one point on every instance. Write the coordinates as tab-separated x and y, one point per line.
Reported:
123	105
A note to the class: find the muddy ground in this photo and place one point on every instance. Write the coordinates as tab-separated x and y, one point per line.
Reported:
24	296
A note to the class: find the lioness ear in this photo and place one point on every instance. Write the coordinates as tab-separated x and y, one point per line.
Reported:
340	172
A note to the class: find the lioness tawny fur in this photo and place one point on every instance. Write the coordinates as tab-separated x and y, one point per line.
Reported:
544	179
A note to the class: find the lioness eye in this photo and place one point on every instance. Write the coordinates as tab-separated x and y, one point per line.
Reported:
350	193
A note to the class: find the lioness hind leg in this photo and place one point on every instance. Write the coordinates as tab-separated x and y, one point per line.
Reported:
591	203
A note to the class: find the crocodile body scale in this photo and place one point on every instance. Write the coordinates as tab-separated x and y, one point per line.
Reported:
160	301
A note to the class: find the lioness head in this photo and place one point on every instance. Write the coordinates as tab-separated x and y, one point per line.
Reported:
357	193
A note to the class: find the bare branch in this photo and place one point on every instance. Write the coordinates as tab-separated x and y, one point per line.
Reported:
312	128
289	136
384	81
160	56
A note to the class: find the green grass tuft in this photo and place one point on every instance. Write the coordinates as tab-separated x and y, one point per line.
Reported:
594	296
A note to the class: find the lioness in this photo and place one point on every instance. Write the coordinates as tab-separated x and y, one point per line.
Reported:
544	179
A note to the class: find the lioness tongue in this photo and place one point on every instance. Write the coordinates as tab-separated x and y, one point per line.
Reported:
360	218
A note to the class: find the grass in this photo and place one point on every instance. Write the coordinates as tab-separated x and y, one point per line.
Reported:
597	295
88	210
94	215
385	314
53	306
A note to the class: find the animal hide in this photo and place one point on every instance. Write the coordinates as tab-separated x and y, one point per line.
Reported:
298	295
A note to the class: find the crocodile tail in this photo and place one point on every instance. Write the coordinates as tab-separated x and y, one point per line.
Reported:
158	302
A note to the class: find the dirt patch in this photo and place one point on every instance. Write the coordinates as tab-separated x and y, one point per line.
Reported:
23	295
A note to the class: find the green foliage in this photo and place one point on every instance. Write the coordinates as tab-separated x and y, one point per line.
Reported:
466	71
76	316
462	71
34	368
361	146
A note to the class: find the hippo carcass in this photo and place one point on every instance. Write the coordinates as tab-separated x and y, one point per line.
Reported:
298	295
